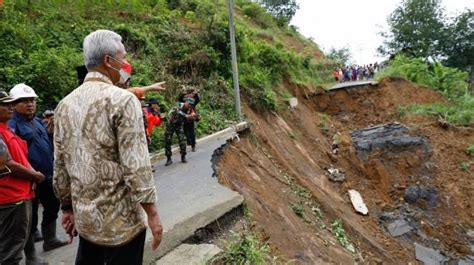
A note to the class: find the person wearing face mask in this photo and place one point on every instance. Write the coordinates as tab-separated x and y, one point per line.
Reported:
102	174
139	92
148	121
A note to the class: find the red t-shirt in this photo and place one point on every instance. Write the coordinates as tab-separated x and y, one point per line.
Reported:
14	189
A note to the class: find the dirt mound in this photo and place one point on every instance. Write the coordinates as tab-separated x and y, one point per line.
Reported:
416	193
356	107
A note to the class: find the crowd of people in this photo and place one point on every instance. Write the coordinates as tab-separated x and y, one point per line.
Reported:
356	72
88	159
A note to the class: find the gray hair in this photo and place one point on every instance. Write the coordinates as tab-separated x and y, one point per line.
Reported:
100	43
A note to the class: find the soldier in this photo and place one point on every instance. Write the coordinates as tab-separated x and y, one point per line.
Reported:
176	117
188	126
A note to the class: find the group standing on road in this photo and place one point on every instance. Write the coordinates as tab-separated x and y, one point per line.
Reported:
88	158
355	72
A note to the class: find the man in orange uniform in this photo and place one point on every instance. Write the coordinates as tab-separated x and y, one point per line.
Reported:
153	116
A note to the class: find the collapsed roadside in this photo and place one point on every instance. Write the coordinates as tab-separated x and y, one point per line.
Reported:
416	191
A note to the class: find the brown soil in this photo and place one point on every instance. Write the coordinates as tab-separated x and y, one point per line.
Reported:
280	169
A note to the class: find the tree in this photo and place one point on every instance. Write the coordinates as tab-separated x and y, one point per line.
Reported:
341	56
459	45
416	29
283	10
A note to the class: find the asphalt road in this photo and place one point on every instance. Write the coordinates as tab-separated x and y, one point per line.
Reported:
188	198
353	84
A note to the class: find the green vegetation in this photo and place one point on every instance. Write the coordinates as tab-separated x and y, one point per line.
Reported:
298	210
420	29
323	123
282	10
339	232
470	150
465	166
449	81
292	135
182	42
305	203
340	56
244	248
460	112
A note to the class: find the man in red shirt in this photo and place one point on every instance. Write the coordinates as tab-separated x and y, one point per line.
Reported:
16	189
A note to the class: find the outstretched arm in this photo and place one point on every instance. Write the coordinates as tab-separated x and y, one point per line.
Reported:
154	87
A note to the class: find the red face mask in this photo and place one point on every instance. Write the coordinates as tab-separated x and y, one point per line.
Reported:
127	67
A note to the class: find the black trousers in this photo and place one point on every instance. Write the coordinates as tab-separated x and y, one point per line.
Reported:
131	253
45	195
15	221
189	132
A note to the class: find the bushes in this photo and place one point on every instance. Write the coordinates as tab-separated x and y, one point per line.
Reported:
449	81
259	15
177	41
244	248
459	113
257	86
470	150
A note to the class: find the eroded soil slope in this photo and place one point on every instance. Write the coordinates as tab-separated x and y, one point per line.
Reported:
281	168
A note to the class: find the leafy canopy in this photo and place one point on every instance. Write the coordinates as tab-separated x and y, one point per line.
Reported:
415	29
340	56
419	29
283	10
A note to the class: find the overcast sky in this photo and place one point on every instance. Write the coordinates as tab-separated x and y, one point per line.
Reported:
354	24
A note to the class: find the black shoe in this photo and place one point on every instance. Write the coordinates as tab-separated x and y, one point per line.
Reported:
193	148
37	236
50	240
183	159
168	162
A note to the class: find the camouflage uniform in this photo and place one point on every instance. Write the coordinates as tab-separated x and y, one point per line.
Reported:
188	126
176	117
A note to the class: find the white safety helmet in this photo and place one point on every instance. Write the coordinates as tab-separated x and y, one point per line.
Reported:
22	91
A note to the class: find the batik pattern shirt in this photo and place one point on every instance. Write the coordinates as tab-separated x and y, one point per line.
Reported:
102	165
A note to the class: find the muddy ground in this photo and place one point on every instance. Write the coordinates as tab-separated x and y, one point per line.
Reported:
415	177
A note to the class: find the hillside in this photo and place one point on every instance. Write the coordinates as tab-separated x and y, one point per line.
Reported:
408	170
180	42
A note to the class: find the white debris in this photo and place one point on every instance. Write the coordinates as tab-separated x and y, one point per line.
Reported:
358	202
335	175
293	102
